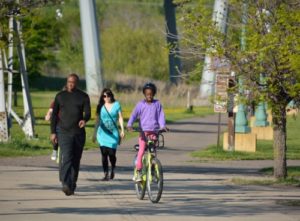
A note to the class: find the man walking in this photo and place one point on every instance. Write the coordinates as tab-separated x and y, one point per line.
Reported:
74	110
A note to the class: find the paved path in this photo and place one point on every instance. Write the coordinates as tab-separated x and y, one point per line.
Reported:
29	188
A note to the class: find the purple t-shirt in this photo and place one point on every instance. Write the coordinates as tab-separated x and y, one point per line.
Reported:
152	117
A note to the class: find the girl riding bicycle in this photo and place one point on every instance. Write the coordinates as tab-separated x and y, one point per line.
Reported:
151	117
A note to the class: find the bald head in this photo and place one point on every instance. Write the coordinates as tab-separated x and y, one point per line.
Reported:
72	82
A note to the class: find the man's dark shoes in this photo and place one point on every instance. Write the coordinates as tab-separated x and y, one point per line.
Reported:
105	178
67	190
112	175
74	187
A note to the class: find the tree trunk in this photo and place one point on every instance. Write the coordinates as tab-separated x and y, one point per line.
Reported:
279	143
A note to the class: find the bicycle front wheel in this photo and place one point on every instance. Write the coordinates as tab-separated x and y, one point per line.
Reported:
140	188
155	181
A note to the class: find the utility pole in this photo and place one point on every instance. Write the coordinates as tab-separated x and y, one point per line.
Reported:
91	47
10	65
208	75
3	114
27	123
172	40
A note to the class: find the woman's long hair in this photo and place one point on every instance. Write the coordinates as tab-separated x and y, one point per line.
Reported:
101	102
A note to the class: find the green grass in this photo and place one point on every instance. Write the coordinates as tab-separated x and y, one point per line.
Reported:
293	178
174	114
266	182
264	149
263	152
293	171
20	146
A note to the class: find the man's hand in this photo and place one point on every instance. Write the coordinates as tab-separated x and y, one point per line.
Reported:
81	123
48	115
53	138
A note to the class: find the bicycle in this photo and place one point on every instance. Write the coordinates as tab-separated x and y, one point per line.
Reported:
152	173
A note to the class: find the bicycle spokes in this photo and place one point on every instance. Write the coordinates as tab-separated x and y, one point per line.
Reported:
155	181
140	187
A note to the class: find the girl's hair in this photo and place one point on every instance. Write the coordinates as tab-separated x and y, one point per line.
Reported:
150	86
101	102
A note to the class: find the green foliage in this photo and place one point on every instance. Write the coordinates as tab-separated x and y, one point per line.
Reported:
262	47
39	28
132	41
132	37
138	52
199	31
41	34
272	45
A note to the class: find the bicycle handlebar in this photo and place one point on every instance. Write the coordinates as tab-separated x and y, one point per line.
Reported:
137	129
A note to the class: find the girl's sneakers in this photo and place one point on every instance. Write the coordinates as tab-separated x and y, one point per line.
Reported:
138	176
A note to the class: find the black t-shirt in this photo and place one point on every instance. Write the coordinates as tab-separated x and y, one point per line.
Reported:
72	107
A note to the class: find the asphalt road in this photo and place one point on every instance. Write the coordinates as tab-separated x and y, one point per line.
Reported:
30	190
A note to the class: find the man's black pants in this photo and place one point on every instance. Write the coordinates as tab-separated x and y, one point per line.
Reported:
71	146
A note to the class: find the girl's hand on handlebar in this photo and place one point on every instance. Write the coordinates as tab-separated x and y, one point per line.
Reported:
165	129
130	129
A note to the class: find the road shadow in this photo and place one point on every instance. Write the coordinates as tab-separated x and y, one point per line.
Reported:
197	123
182	170
180	198
172	130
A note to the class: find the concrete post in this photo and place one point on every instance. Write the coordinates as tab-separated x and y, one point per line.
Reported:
91	47
3	115
28	121
208	76
241	122
261	115
10	66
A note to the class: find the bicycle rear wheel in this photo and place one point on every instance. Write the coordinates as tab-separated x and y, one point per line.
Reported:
155	181
140	188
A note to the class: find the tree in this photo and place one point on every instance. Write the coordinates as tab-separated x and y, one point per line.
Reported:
39	32
269	62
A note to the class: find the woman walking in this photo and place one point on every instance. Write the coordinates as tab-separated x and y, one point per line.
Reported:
109	113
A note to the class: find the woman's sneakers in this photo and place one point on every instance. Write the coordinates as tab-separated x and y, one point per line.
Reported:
54	155
105	178
112	175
